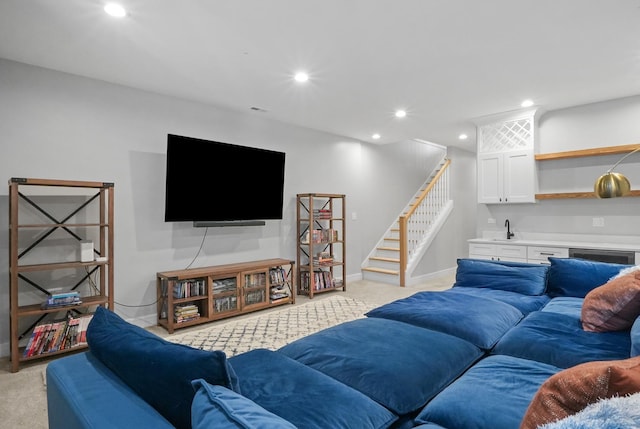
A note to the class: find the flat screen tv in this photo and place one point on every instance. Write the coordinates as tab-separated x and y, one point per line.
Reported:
212	183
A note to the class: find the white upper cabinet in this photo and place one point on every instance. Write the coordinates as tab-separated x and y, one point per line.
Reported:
506	163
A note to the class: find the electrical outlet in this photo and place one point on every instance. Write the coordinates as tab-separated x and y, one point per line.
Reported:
491	220
598	222
354	216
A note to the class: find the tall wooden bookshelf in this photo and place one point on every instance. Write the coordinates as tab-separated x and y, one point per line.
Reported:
321	237
48	221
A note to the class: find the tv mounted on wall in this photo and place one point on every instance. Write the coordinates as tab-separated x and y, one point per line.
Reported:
212	183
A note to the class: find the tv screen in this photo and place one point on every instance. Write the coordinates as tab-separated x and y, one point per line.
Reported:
209	181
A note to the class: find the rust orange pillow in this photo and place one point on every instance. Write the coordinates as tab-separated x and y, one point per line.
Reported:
571	390
613	306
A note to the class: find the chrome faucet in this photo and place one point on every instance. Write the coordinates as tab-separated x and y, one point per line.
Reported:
509	233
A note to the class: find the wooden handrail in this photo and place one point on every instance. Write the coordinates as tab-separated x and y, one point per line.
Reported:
426	191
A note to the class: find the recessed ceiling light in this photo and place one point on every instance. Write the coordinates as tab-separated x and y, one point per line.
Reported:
115	10
401	113
463	137
376	136
301	77
527	103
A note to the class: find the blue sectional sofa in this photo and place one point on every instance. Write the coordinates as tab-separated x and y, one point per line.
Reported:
489	352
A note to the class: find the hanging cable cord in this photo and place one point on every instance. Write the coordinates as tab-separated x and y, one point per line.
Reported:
200	249
156	301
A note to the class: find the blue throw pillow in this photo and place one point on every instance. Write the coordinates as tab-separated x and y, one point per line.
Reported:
524	278
159	371
635	338
218	407
577	277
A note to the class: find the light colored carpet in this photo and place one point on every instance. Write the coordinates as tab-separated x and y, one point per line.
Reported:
275	329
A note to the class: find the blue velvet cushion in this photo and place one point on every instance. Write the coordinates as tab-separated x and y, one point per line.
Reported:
157	370
303	396
559	340
495	393
635	338
401	366
569	305
525	303
217	407
524	278
479	320
577	277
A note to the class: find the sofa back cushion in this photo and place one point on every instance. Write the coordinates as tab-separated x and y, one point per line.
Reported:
524	278
577	277
157	370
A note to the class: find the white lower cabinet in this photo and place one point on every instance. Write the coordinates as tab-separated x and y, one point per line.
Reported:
541	255
498	252
516	253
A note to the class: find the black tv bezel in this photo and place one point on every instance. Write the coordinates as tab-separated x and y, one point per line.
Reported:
183	150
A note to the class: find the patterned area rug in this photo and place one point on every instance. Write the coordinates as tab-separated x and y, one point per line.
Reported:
274	329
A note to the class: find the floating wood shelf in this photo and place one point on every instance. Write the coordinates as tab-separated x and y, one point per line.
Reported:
561	195
600	151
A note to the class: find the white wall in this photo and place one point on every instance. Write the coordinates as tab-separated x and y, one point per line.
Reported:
609	123
59	126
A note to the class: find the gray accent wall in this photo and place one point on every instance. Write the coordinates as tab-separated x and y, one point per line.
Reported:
59	126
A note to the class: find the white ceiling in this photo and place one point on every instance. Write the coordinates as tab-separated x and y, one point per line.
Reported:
447	62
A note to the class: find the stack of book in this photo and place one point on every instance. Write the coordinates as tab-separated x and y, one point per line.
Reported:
58	335
322	213
62	299
323	258
185	313
278	292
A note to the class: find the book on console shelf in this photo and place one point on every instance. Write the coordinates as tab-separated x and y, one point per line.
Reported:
185	313
278	292
278	275
189	288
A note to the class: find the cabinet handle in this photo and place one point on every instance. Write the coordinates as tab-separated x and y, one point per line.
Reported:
547	253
